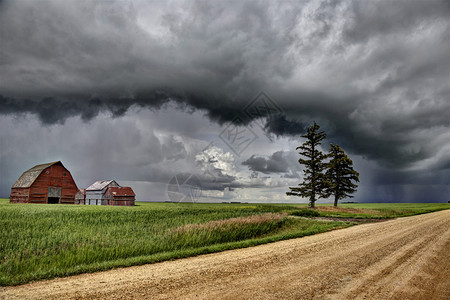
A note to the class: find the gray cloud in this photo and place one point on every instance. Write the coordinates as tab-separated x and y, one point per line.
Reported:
217	168
130	148
374	75
374	19
278	162
174	149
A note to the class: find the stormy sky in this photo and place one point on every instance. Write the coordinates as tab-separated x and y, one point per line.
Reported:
219	92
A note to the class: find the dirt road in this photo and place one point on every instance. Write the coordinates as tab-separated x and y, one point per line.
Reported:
407	258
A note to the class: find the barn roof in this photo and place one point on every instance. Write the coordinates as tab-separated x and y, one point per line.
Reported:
28	177
100	185
121	191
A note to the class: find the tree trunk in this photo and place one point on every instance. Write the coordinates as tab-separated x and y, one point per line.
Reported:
335	201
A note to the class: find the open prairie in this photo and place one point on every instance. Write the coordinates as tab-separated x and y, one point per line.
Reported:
405	258
46	241
41	241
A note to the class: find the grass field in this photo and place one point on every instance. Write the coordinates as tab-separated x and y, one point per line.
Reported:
43	241
378	210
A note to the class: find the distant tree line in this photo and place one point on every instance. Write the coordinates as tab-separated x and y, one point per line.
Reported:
326	174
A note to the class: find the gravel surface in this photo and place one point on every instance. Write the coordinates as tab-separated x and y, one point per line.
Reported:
406	258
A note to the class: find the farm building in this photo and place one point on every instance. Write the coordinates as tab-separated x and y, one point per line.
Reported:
109	192
95	193
80	196
120	196
45	183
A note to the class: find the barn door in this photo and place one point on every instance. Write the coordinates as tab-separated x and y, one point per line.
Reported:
54	195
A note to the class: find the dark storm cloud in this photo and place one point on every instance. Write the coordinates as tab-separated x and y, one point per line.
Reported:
208	182
374	75
278	162
279	125
129	148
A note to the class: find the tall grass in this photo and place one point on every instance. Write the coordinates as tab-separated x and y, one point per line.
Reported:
228	230
44	241
40	241
380	210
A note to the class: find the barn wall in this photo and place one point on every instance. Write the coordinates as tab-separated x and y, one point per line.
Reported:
122	201
53	176
19	195
97	197
118	200
80	197
94	197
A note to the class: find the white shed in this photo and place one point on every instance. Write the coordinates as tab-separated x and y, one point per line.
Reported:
95	193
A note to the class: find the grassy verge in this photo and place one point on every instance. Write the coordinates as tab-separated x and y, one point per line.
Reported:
380	210
45	241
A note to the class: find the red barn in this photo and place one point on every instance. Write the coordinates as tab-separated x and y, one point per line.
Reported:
120	196
46	183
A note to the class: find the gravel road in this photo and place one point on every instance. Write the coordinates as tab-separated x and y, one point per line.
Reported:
406	258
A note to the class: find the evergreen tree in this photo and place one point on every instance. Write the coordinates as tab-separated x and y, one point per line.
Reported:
314	180
340	175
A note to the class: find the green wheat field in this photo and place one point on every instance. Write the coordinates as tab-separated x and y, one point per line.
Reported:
39	241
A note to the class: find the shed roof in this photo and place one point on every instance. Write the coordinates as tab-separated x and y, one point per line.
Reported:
121	191
29	176
100	185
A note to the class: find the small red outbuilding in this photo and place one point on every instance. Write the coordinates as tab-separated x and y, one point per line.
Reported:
120	196
45	183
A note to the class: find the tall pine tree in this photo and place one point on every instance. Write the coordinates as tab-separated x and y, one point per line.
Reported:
340	175
314	181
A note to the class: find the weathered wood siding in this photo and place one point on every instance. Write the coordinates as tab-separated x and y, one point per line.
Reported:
54	176
119	196
80	196
122	201
94	197
19	195
55	180
97	197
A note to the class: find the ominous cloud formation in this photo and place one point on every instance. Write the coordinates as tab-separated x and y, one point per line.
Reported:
278	162
375	75
217	167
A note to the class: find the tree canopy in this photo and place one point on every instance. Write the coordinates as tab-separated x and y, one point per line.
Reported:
321	178
312	186
340	175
